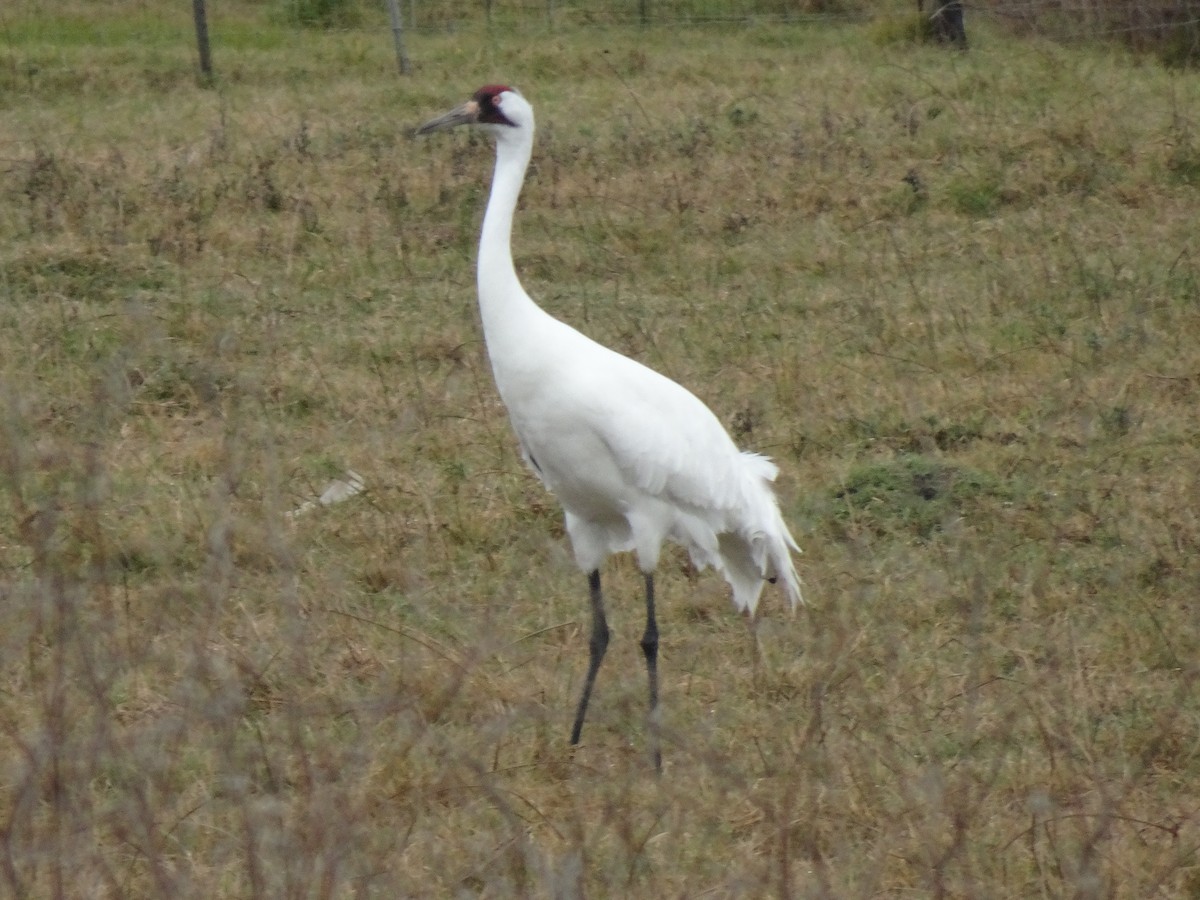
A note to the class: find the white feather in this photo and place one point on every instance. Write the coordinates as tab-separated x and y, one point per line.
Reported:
633	457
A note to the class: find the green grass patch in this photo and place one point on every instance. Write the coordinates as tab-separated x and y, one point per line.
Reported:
913	494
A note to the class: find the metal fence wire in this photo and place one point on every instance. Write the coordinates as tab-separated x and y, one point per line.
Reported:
1168	27
449	13
1080	18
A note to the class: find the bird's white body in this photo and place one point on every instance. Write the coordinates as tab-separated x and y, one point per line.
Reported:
634	458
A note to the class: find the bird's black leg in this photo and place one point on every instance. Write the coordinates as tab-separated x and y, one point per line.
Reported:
596	647
650	651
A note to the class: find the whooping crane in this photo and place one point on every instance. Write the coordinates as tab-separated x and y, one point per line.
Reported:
633	457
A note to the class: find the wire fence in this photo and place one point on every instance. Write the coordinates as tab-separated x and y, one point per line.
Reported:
1170	28
565	13
1079	19
1082	18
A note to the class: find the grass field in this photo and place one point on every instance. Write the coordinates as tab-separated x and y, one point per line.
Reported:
955	296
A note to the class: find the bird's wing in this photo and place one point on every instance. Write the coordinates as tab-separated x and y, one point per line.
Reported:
579	405
663	437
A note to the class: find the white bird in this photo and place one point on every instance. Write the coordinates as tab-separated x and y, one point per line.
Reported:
633	457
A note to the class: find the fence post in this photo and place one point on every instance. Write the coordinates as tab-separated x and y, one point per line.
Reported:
398	36
201	16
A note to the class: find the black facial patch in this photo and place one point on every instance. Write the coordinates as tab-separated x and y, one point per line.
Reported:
488	98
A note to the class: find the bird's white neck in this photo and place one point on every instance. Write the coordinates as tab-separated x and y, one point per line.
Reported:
502	300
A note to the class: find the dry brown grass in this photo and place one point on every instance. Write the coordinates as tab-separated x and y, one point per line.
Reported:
980	384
